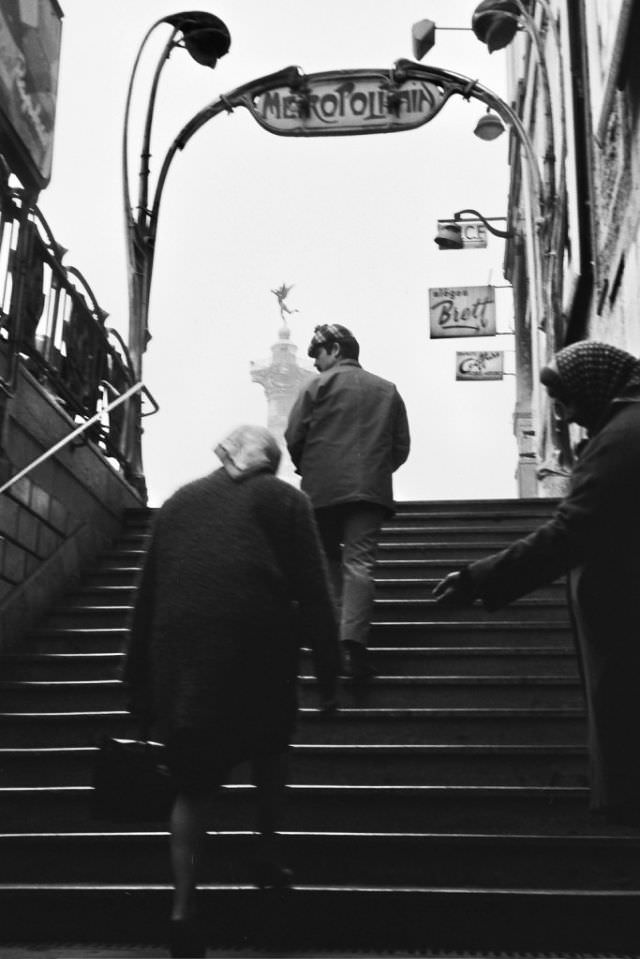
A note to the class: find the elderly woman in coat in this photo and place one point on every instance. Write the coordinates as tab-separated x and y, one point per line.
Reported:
234	582
594	537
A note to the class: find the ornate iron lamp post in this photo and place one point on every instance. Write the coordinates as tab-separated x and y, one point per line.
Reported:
206	39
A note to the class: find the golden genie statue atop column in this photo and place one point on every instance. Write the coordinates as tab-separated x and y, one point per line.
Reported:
282	379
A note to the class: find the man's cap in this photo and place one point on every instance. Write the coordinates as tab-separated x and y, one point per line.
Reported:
329	333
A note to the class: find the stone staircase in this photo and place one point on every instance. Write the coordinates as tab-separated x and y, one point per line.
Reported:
444	806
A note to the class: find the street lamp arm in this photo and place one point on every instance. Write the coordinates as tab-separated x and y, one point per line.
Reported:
125	129
145	153
289	76
467	88
503	234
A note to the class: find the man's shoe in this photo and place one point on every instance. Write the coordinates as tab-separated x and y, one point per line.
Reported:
186	939
357	662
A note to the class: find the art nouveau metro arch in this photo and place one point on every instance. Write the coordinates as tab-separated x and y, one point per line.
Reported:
338	103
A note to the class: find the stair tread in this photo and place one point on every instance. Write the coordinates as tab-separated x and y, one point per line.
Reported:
483	838
352	748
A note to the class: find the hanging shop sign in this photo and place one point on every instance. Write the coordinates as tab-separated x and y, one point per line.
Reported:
480	366
348	102
473	233
462	311
30	33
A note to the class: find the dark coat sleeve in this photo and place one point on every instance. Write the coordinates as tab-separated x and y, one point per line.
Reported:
401	437
307	571
298	426
573	535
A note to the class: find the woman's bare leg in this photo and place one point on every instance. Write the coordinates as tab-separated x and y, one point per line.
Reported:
188	829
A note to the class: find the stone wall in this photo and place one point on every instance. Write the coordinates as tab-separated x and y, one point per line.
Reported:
58	518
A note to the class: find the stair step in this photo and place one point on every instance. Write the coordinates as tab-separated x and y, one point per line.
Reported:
78	639
416	583
441	549
467	509
57	666
460	632
461	660
451	534
538	661
360	726
392	691
101	594
358	808
367	917
355	859
371	764
110	573
398	609
408	565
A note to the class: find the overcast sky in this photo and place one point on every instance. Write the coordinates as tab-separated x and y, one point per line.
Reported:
349	221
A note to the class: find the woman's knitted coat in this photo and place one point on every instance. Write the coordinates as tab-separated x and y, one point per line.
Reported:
234	583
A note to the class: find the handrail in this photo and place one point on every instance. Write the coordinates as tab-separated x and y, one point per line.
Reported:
71	436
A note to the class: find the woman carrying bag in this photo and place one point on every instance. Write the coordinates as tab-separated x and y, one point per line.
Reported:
234	583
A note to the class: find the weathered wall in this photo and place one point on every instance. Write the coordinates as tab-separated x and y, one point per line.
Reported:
54	521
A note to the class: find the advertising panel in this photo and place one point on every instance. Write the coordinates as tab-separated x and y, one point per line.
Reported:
30	33
480	366
462	311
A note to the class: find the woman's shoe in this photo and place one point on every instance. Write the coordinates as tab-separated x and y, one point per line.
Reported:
186	939
272	875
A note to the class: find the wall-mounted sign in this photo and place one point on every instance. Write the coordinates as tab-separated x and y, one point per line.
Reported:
347	102
462	311
480	366
473	233
29	55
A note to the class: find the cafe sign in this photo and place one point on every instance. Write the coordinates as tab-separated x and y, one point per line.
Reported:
473	233
348	102
480	365
462	311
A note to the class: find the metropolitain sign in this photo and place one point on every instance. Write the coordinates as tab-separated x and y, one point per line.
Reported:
348	102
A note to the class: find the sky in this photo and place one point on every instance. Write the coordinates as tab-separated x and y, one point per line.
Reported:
348	221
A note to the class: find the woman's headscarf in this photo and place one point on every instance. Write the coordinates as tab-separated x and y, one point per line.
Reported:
248	450
591	375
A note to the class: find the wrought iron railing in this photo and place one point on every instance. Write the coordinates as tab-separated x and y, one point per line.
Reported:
52	324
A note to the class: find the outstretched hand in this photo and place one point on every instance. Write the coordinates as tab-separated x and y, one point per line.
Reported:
453	590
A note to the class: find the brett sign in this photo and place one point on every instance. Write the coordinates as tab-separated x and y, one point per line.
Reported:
462	311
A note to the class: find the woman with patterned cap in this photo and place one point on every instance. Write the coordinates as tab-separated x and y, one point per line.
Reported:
234	582
593	537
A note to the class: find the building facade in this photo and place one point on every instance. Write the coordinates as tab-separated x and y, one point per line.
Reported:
574	81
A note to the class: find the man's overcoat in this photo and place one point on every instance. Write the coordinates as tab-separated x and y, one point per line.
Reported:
347	433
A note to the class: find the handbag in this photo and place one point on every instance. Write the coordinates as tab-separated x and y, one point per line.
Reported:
132	782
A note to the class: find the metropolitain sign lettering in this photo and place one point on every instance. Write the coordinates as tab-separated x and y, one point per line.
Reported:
462	311
348	102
